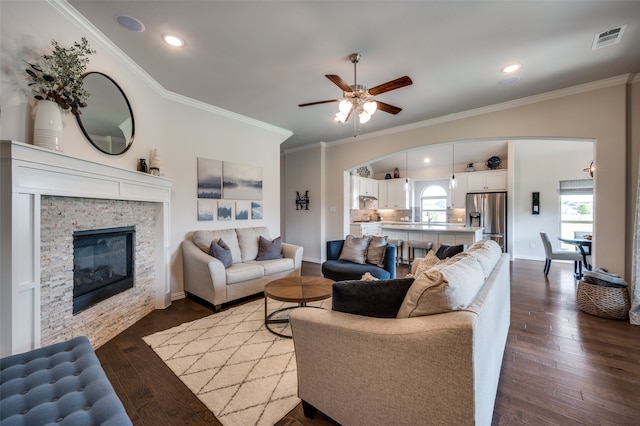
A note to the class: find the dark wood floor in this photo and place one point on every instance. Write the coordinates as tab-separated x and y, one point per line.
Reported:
561	366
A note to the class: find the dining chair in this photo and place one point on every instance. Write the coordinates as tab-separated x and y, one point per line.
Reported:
550	254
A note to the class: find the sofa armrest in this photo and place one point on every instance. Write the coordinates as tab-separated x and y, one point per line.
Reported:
334	248
421	364
203	275
390	260
294	252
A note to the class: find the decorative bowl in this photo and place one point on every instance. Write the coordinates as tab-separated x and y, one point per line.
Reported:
493	162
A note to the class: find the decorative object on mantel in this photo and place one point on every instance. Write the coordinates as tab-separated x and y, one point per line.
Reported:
396	173
155	163
493	162
302	201
57	83
470	167
142	165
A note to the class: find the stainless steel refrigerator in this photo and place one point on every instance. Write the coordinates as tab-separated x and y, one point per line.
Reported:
489	210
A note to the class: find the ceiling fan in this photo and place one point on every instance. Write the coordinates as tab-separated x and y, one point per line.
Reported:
358	98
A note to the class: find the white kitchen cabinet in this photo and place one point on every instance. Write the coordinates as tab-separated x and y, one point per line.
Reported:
369	228
363	187
494	180
458	195
393	194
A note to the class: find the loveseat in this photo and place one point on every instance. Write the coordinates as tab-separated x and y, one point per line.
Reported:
252	260
434	356
353	257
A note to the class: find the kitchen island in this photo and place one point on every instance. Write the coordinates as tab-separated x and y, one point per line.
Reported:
419	231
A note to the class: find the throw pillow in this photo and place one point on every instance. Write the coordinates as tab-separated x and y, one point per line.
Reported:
368	277
427	263
380	299
376	251
446	287
448	250
221	251
355	249
269	249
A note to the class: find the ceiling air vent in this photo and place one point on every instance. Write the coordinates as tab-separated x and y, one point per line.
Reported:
608	38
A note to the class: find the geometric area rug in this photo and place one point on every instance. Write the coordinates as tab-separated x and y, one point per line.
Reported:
243	373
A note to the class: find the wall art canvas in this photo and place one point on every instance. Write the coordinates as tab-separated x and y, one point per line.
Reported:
256	210
209	178
241	181
242	210
206	209
225	210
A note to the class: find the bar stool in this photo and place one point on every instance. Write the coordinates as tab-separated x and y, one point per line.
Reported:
414	244
398	243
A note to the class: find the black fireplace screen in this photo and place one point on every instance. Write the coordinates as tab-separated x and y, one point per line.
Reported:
103	263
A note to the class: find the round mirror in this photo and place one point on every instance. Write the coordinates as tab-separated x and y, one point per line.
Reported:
107	120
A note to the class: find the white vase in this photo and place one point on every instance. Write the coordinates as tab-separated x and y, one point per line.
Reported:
47	129
155	163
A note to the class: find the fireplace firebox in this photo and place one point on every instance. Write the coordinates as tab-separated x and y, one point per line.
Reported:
103	264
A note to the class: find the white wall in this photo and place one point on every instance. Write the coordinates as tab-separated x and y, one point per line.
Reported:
534	171
180	128
303	171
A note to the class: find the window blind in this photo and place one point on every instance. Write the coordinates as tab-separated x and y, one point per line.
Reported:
576	187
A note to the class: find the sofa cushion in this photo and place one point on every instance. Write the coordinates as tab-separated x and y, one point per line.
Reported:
240	272
428	262
203	240
375	251
487	253
268	249
449	250
274	266
355	249
248	241
221	251
381	299
339	270
451	285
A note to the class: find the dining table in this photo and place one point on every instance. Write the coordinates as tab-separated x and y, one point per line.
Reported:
584	245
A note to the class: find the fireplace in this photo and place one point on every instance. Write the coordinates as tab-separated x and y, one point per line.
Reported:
103	264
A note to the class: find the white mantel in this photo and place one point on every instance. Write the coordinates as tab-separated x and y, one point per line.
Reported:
27	173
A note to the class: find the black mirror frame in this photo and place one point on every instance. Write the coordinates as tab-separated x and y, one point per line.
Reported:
126	100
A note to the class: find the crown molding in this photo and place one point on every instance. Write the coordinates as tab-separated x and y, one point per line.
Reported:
69	12
305	147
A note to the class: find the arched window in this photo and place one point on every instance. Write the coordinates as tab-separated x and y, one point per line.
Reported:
433	204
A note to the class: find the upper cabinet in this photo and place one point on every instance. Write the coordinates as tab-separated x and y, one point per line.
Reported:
394	194
459	193
363	187
487	181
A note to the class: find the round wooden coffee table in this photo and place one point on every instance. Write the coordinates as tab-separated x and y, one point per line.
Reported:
300	290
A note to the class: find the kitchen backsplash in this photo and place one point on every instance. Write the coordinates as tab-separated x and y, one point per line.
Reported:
408	215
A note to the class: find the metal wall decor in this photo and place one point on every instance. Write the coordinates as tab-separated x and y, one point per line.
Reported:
302	201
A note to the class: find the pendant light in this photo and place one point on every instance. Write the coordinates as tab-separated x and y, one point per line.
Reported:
406	172
453	183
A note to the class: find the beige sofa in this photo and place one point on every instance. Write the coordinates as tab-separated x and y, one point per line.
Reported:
206	277
438	369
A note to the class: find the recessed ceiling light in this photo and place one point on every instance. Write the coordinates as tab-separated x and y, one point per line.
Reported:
427	159
173	40
511	68
130	23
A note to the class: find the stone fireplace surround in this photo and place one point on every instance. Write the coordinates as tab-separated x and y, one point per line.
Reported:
45	196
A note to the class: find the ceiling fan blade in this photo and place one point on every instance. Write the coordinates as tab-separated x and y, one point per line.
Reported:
388	108
390	85
319	102
339	82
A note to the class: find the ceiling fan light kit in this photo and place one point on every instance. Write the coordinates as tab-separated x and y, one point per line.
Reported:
356	98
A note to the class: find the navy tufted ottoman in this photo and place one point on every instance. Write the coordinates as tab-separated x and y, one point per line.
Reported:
58	384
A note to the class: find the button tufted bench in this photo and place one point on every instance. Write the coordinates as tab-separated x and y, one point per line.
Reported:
62	383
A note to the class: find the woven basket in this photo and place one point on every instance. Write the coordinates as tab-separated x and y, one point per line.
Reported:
603	301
